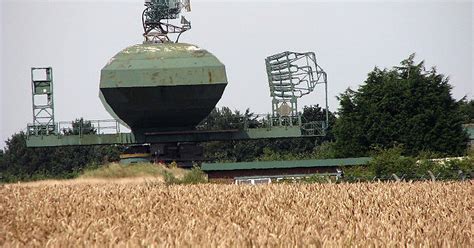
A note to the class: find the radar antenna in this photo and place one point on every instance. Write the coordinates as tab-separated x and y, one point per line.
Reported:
291	75
156	19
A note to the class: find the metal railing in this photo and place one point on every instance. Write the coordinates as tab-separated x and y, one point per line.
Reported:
308	128
84	127
78	127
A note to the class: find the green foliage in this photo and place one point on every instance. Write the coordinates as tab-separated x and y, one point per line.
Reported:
224	119
23	163
390	161
170	178
317	179
358	173
449	168
423	155
324	151
386	162
406	105
194	176
271	155
80	126
232	151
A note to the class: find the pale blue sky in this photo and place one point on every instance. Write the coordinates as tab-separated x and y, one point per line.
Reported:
77	38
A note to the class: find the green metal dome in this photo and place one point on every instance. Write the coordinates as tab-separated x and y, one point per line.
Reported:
162	87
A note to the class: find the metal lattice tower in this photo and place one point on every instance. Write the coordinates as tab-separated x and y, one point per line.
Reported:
43	102
292	75
156	19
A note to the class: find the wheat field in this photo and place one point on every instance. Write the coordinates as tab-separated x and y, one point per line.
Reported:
211	215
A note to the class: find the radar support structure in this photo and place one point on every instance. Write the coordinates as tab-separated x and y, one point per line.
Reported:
292	75
42	101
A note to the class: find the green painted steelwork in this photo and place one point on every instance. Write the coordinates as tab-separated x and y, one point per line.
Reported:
162	87
162	137
284	164
78	140
202	136
42	101
167	64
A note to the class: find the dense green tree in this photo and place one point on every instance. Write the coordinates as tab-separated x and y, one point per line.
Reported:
80	126
407	105
224	118
23	163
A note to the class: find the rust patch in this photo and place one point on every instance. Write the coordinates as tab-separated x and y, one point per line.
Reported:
198	53
155	76
210	76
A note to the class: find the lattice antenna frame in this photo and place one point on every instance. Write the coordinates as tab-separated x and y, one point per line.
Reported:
292	75
157	16
42	102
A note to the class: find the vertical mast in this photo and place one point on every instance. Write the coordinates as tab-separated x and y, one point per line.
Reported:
43	101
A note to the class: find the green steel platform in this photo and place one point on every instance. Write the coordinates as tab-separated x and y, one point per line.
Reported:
51	140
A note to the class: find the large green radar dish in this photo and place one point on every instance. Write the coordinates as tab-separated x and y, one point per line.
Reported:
162	86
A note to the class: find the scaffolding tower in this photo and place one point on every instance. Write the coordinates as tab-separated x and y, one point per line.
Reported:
42	101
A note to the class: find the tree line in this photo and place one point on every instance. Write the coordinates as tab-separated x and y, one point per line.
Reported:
407	106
